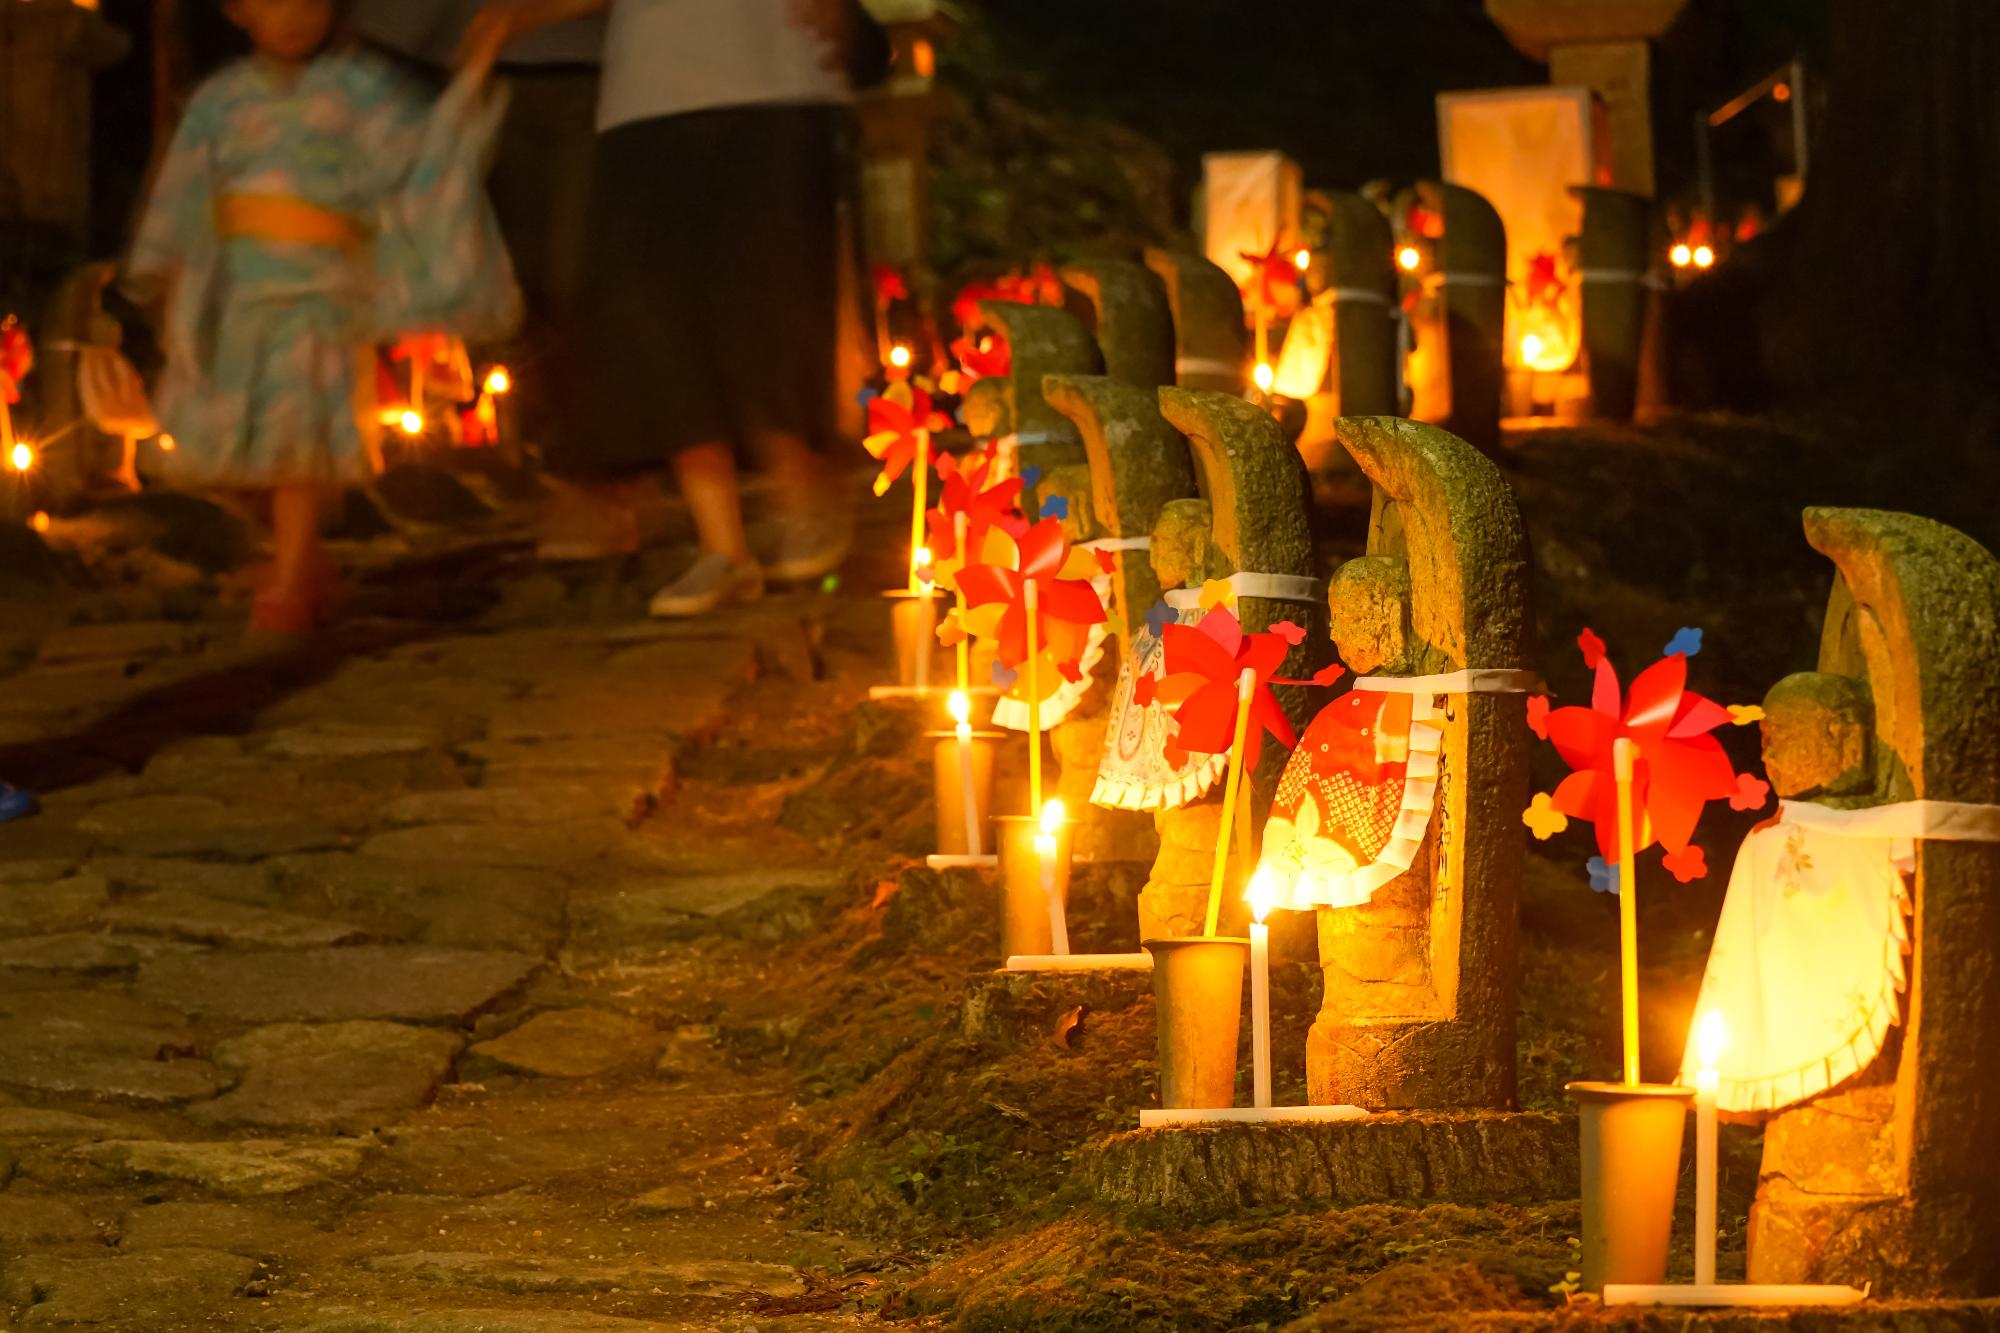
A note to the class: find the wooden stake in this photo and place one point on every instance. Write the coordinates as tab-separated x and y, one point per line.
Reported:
1628	907
920	486
1033	596
1245	683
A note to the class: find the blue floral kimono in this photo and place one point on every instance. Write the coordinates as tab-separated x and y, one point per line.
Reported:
269	343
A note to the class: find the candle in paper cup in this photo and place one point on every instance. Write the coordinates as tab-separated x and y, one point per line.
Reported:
1045	857
1710	1038
973	793
1263	896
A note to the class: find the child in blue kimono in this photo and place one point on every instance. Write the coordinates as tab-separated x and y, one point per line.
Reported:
312	204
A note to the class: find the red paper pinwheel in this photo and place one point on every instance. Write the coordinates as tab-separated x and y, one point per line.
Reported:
983	355
1274	278
889	284
1678	769
896	419
995	591
1544	284
1197	684
17	358
965	492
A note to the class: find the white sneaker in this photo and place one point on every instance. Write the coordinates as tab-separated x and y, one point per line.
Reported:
711	581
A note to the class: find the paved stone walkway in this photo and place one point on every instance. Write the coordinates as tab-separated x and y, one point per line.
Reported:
384	989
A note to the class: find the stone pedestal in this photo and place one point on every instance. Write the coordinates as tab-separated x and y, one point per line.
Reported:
1408	1158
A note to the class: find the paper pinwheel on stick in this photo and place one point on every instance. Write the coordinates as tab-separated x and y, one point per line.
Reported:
1644	763
1033	600
900	422
17	358
1271	289
967	509
1215	681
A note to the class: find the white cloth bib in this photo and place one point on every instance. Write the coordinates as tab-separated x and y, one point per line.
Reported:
1807	968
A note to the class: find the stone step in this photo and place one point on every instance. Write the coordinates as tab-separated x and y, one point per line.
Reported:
1396	1157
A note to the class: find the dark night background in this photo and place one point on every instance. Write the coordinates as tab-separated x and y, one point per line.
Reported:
1344	86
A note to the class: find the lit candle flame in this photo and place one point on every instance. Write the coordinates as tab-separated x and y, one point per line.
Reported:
1682	255
920	563
899	356
168	444
498	381
959	707
411	423
1711	1036
1408	258
23	456
1703	256
40	521
1303	259
1053	815
1262	894
1264	376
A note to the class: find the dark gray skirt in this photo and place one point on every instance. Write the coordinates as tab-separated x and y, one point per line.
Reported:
707	304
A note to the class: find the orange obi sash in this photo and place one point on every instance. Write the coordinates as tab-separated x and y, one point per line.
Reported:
277	217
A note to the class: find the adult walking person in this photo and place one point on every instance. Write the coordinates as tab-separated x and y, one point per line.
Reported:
707	306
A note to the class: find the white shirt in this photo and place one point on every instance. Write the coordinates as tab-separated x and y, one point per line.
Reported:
664	57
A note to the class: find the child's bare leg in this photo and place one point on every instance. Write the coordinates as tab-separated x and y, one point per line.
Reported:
296	550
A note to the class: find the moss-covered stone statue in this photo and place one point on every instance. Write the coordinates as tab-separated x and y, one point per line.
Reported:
1356	269
1252	522
1211	343
1419	967
1472	262
1889	1177
1137	464
1041	340
1613	254
1132	319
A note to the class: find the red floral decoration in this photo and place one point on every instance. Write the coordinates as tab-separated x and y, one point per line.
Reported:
897	418
1274	277
1679	766
965	491
1197	684
17	358
995	590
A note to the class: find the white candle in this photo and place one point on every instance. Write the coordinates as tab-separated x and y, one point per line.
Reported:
961	712
1262	899
1045	853
1710	1038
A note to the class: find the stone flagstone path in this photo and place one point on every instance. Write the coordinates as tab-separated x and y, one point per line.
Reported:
365	994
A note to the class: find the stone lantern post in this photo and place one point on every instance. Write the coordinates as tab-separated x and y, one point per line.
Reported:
48	51
1603	45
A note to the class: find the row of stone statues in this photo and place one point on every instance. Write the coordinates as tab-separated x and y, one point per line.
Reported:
1134	414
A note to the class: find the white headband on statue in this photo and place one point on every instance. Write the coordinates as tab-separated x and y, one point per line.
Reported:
1271	587
1359	295
1204	365
1936	821
1473	680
